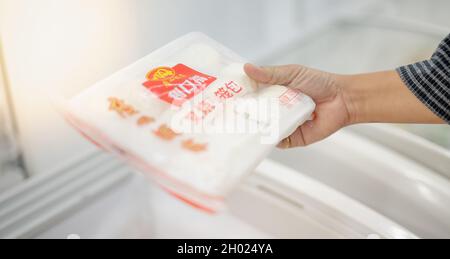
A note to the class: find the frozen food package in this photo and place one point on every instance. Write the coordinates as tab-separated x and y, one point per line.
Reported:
189	118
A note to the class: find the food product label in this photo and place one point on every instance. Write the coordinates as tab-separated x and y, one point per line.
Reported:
177	84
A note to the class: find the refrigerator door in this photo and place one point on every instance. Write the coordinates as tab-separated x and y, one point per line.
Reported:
276	202
364	189
403	189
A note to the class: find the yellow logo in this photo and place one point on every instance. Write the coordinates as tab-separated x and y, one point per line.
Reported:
161	74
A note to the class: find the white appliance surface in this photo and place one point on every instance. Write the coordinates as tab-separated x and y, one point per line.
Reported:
277	202
364	190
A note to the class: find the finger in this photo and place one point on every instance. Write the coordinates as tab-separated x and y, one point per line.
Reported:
316	130
307	134
284	144
276	75
296	139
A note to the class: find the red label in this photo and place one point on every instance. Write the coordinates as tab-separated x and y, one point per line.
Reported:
177	84
290	97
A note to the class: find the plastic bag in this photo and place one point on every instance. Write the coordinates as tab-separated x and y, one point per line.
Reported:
188	117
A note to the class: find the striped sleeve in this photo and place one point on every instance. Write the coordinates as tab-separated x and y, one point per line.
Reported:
430	80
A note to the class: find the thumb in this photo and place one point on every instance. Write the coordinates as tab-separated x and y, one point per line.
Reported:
276	75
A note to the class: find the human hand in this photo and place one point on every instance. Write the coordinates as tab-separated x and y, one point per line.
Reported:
332	106
342	100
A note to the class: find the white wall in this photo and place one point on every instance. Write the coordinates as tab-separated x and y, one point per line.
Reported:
68	45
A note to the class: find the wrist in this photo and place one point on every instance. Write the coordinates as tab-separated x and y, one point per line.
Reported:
381	97
353	95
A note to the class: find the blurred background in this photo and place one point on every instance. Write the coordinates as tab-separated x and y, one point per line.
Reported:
51	45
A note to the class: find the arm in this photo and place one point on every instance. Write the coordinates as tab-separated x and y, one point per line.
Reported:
417	93
397	96
343	100
383	97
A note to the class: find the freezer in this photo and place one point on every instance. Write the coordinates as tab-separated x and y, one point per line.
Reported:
367	182
351	198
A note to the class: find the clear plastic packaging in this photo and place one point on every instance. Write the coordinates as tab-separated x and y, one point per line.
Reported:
188	117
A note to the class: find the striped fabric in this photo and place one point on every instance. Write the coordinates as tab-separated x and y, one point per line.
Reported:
430	80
